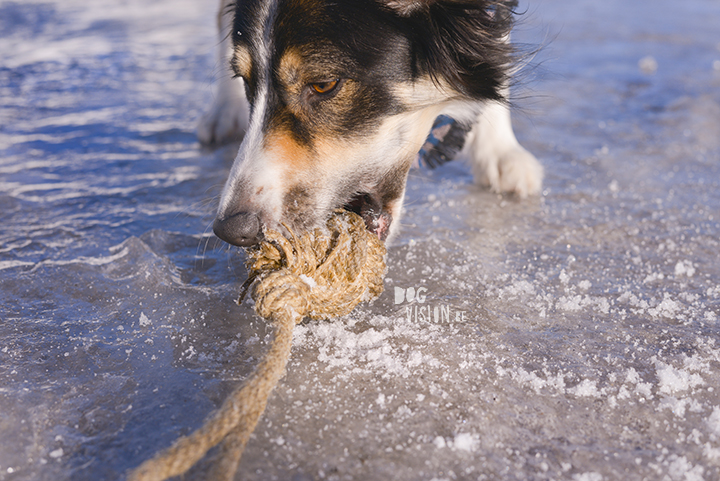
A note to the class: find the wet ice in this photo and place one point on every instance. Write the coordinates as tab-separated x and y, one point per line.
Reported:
589	349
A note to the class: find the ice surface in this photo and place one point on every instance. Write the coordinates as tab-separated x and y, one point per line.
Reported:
572	336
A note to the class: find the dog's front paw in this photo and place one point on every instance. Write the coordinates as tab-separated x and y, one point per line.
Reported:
516	171
226	121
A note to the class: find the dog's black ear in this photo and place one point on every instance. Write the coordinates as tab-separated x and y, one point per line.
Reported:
461	43
406	7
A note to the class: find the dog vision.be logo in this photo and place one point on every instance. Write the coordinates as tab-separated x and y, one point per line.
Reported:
417	310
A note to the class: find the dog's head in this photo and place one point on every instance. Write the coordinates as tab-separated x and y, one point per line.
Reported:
342	94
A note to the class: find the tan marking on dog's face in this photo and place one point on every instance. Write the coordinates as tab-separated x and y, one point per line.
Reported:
299	69
310	63
242	61
289	68
289	73
286	151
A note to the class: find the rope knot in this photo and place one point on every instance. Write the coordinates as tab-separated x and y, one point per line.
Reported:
316	275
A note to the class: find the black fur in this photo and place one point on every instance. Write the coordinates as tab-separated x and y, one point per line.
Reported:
458	42
462	42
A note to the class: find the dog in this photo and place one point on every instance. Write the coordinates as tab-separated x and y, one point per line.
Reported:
336	97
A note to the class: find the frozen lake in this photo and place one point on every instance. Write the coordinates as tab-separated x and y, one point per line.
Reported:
583	339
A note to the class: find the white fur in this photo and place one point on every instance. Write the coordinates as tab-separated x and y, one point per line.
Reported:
497	159
253	167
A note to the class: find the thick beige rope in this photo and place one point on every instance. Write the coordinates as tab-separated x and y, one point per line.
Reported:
318	275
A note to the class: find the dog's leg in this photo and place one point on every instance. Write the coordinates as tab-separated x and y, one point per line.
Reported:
227	119
496	157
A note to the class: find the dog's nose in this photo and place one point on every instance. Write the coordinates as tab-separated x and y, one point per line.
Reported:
241	229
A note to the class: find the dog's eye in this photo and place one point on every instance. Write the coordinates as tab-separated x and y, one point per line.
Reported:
325	87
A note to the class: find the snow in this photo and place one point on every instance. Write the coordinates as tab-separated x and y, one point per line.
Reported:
582	338
713	422
56	453
308	280
684	268
592	476
672	380
465	442
586	388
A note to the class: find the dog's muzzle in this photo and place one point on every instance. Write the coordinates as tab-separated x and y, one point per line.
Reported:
241	229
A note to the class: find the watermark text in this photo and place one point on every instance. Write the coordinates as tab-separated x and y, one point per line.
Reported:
418	311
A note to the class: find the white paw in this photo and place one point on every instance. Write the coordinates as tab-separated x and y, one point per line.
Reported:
226	121
516	171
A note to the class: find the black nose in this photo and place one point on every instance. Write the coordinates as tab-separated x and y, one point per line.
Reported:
241	229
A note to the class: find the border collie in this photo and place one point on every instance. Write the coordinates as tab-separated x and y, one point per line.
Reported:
336	97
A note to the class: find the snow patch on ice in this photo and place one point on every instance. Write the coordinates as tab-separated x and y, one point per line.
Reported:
586	388
517	289
648	64
684	268
713	421
577	302
564	277
679	406
461	442
681	469
672	380
592	476
466	442
535	382
58	453
666	308
373	349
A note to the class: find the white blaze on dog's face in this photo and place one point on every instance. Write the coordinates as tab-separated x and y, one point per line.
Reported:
341	99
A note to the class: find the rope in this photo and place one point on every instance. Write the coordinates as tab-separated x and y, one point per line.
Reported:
318	275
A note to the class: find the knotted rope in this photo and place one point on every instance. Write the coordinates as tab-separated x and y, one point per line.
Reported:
318	275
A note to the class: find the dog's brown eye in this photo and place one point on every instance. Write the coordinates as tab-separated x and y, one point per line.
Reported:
324	87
